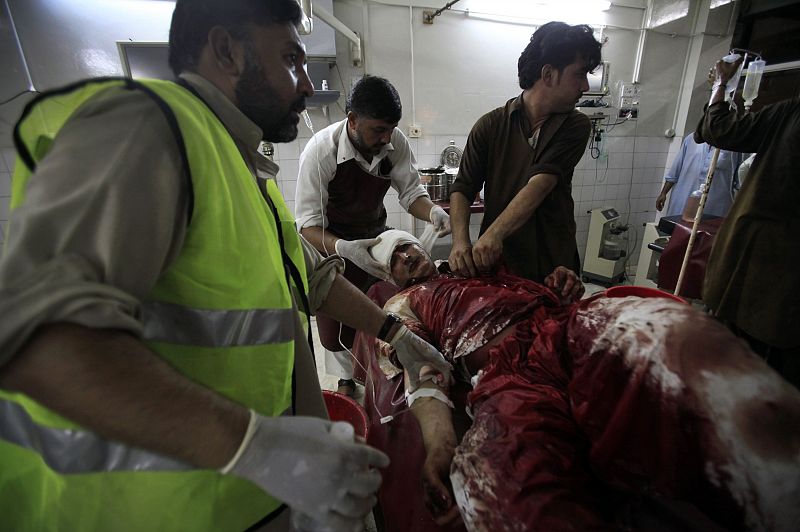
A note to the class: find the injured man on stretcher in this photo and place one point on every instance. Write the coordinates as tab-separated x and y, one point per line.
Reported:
581	406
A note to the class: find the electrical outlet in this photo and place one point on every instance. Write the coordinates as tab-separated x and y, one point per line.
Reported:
414	132
630	90
629	113
629	97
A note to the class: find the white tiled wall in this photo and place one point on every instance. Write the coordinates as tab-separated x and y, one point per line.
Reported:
627	176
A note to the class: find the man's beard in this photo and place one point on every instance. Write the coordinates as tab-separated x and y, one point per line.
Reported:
258	101
360	145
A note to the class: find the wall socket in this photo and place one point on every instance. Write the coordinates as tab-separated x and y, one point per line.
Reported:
630	90
414	132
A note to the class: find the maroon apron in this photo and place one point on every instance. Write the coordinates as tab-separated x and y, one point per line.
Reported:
355	210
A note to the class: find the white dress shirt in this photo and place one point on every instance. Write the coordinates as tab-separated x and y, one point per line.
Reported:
331	147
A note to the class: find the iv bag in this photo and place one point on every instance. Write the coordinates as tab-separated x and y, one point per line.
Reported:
752	81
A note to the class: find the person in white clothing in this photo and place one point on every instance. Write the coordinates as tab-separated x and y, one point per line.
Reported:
345	171
688	173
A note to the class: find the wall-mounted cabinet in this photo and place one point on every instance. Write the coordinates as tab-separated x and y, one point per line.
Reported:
321	43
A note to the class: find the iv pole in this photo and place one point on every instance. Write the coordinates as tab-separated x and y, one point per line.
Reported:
699	214
706	186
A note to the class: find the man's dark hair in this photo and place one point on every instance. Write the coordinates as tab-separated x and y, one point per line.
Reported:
193	19
375	97
557	44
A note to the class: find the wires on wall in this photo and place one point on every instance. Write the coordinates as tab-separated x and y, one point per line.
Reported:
595	139
17	95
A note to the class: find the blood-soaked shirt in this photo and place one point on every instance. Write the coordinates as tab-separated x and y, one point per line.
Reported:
647	396
461	315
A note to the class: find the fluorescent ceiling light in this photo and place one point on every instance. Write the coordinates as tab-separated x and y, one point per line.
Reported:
508	19
533	13
537	8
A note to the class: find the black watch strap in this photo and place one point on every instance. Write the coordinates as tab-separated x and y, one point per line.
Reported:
391	319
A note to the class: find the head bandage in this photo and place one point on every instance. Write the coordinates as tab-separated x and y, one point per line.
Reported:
382	251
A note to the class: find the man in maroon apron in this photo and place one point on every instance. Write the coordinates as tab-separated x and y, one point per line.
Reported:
345	172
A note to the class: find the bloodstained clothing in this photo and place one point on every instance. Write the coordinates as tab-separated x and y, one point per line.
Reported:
461	315
584	411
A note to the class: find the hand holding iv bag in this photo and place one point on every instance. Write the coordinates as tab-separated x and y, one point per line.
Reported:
733	80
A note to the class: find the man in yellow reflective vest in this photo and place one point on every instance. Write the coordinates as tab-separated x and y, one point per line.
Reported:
155	372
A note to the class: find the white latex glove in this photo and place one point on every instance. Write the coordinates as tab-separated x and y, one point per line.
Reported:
357	251
440	220
414	353
298	461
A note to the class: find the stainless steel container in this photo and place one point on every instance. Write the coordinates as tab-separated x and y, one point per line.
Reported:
450	176
435	182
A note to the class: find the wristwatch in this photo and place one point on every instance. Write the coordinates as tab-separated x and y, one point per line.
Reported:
391	319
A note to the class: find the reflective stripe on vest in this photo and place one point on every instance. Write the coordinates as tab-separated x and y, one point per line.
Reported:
72	451
165	322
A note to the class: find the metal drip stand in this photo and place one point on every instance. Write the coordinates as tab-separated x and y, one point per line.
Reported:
712	167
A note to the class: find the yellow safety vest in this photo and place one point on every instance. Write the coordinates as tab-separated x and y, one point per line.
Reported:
222	315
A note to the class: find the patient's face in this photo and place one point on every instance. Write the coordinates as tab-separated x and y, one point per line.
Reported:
410	265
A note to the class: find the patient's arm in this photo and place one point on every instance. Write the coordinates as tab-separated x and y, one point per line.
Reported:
566	284
436	424
400	304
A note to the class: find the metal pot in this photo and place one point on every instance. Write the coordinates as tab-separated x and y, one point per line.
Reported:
450	176
436	192
435	182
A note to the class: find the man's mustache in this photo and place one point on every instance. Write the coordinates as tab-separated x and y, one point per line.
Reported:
300	105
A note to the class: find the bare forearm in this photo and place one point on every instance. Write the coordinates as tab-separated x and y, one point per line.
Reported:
719	94
421	208
523	205
459	217
347	304
435	422
109	382
323	240
667	187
